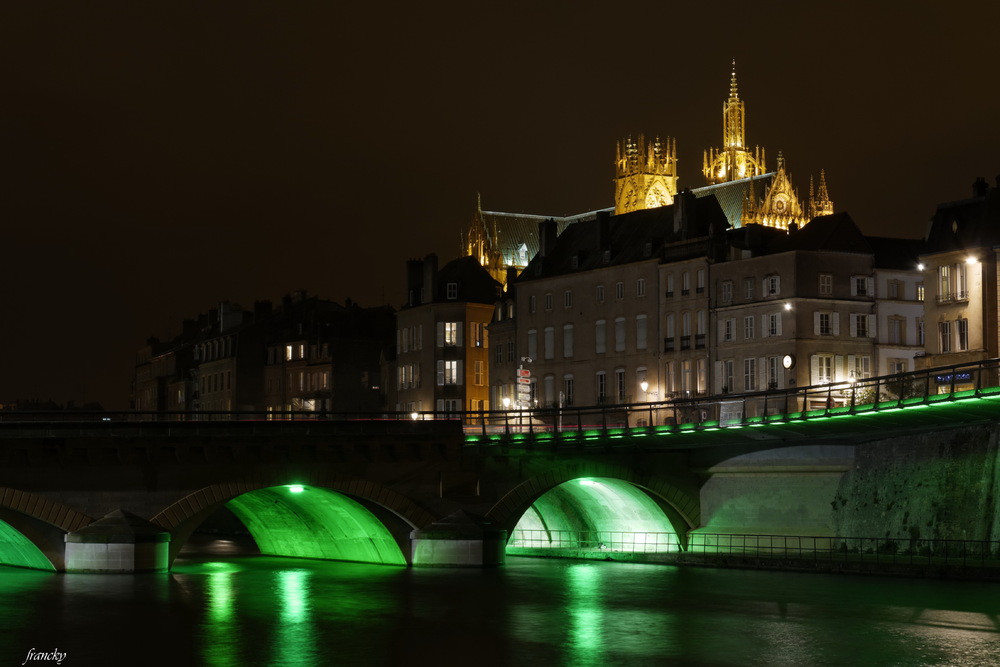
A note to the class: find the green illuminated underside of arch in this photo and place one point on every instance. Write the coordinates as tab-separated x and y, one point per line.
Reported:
17	550
315	523
595	510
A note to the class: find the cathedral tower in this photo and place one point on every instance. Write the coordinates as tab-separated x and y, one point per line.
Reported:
733	161
645	175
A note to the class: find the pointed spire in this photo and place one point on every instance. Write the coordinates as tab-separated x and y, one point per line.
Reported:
733	93
823	194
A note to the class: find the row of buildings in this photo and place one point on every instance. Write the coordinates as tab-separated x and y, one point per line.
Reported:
305	354
737	286
674	301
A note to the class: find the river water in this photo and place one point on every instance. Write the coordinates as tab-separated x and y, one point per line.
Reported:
230	610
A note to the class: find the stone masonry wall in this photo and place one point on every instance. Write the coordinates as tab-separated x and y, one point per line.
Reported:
939	485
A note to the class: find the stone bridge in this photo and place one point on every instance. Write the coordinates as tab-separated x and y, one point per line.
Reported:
124	496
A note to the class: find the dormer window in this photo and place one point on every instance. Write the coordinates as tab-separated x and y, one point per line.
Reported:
452	290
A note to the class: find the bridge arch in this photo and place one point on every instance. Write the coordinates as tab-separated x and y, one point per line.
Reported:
33	529
367	514
676	497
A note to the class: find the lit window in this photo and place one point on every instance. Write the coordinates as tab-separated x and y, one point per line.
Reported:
451	335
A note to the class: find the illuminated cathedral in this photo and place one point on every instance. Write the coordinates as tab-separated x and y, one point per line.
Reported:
646	177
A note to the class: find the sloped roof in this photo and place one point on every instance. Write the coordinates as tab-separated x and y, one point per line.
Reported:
732	194
970	223
630	237
515	229
836	232
475	285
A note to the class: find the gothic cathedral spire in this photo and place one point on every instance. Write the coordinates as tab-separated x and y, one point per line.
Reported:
734	160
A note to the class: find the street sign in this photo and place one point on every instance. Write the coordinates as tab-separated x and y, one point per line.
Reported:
524	380
523	373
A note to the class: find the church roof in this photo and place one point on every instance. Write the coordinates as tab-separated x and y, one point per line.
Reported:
516	229
732	194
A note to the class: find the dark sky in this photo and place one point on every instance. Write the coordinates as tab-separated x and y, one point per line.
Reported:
158	157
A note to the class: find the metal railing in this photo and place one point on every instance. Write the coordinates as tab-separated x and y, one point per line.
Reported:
690	412
888	551
595	540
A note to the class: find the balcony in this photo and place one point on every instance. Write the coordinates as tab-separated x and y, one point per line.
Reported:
699	342
668	344
685	342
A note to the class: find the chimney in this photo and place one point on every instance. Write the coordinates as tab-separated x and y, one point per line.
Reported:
414	281
604	231
547	233
684	213
980	187
429	288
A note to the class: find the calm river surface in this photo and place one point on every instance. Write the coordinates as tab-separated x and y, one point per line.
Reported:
273	611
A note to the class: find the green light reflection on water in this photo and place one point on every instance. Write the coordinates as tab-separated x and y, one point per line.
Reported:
585	640
295	640
221	636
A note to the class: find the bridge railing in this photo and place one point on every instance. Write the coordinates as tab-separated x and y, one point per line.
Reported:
583	543
687	411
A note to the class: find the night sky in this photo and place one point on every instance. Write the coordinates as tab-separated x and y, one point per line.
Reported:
158	157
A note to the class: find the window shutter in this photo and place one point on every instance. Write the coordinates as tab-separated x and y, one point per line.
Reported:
852	366
486	336
835	323
718	374
816	323
440	334
778	328
458	333
761	374
440	372
814	369
459	372
838	368
854	325
777	284
765	330
871	326
870	285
